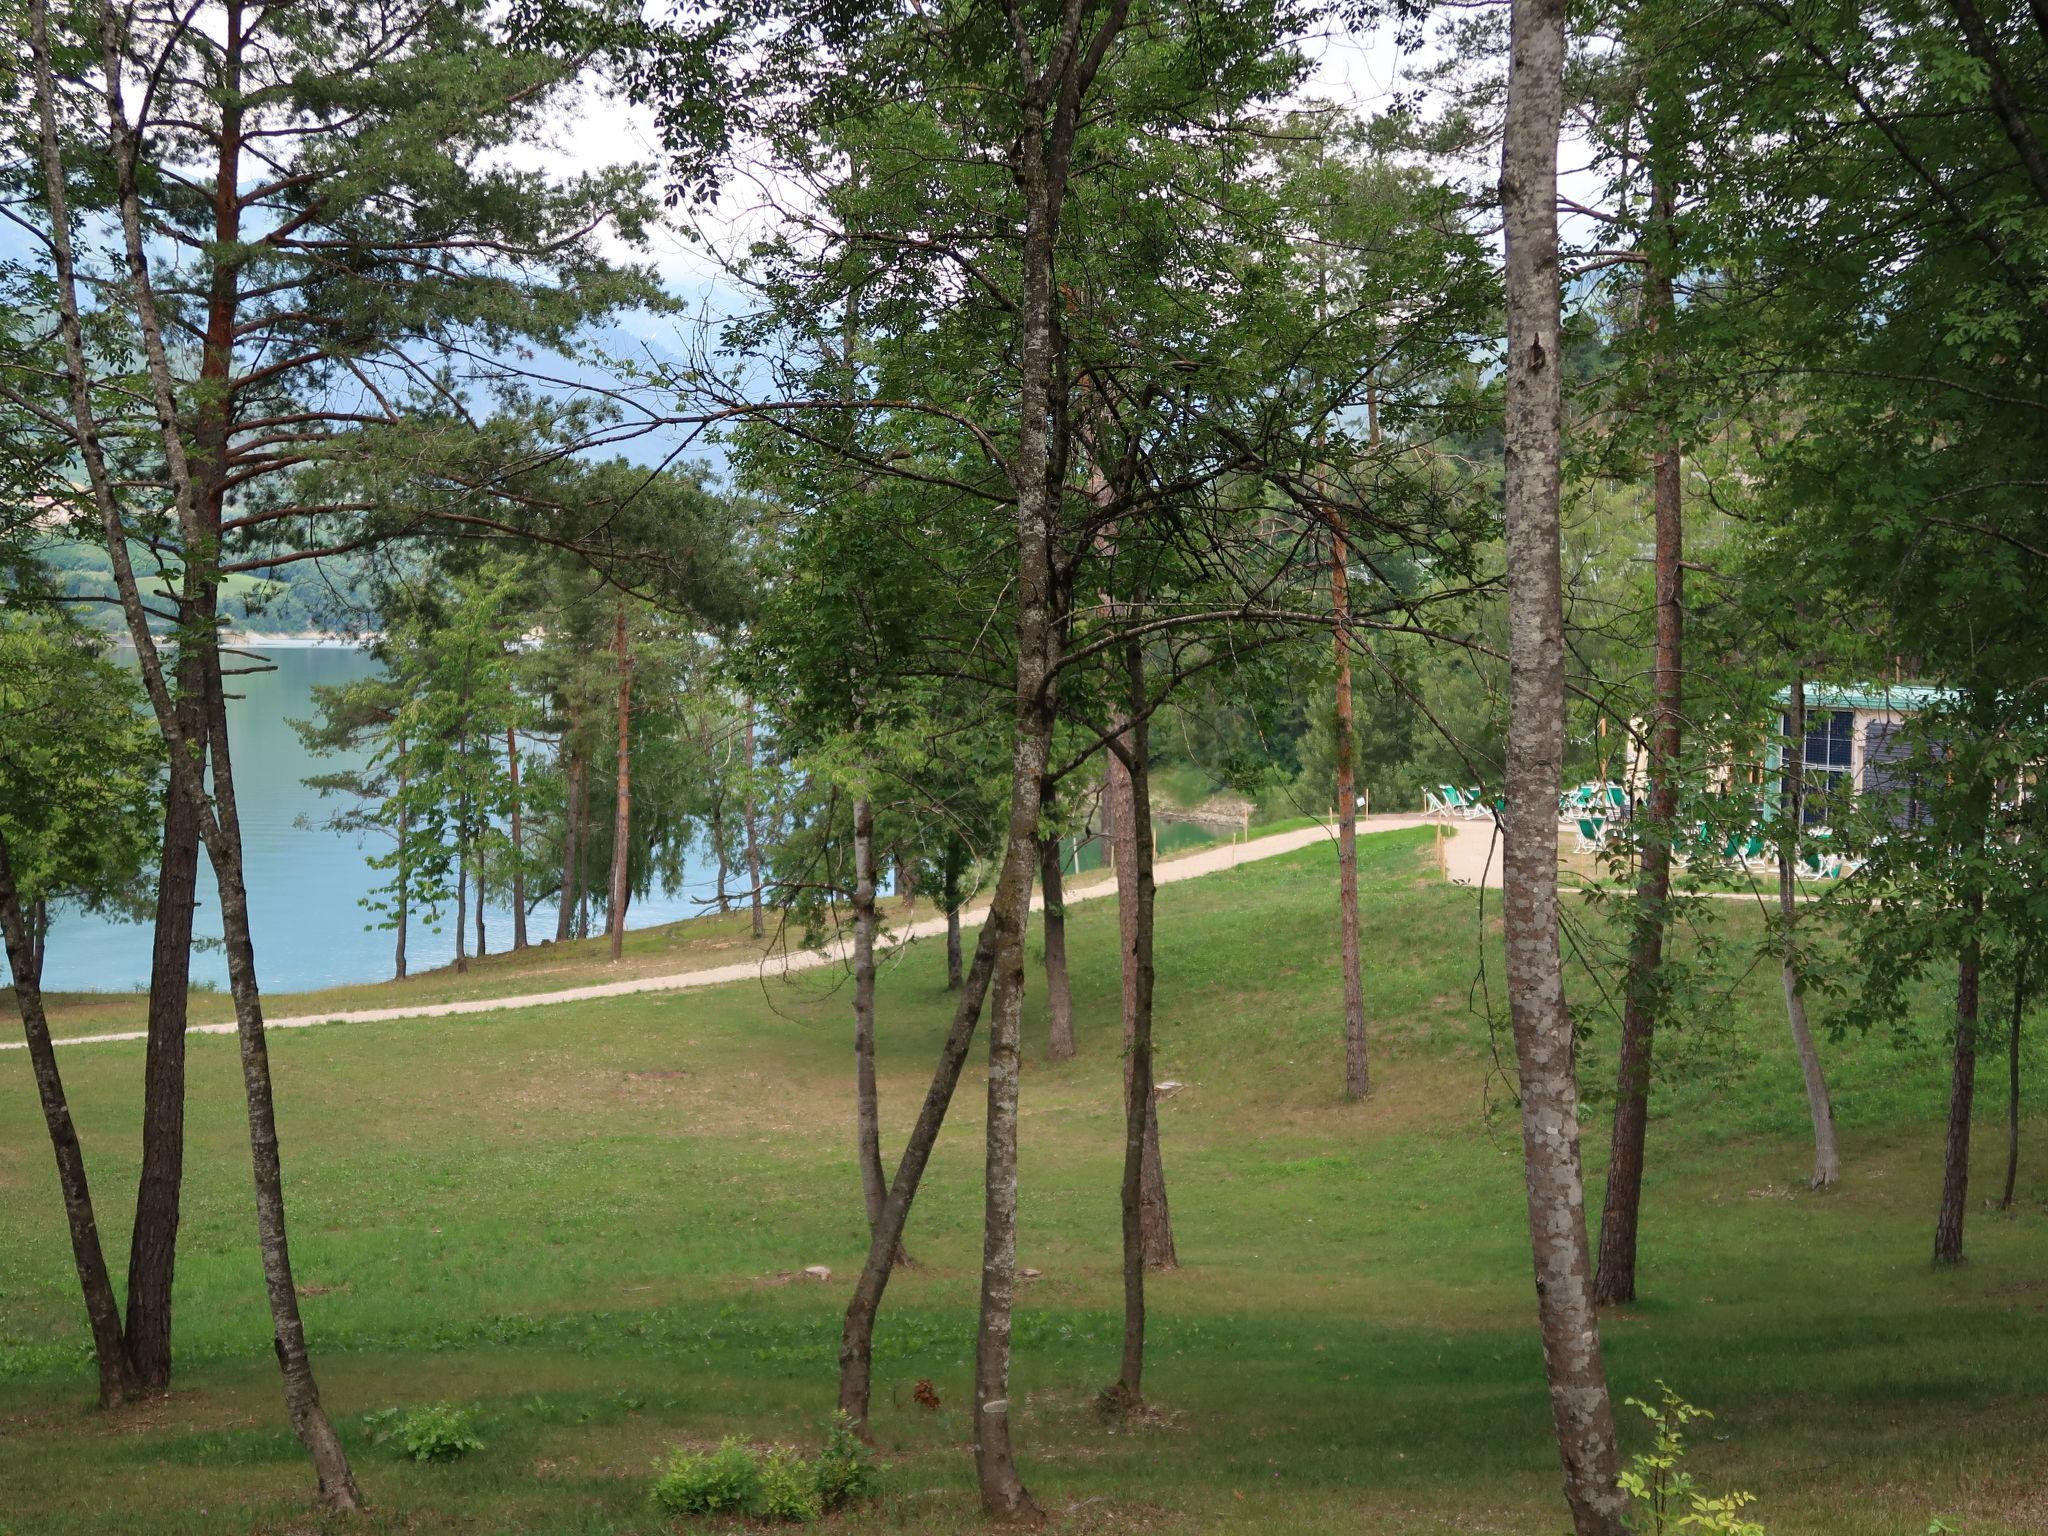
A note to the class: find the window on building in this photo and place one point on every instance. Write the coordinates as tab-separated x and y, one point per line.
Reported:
1891	776
1830	759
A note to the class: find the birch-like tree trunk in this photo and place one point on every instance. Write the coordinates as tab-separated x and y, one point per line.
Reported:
622	822
867	1111
24	959
1614	1278
1581	1410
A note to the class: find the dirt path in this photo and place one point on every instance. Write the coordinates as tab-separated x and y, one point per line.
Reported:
1187	866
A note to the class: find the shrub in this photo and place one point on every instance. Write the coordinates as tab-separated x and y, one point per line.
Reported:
437	1432
844	1471
786	1489
1668	1501
724	1482
735	1480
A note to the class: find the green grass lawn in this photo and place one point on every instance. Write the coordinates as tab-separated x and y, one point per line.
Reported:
573	1219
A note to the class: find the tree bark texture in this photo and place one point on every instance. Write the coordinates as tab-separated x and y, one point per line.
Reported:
1133	934
1059	994
153	1238
622	823
102	1313
868	1116
1581	1410
1614	1276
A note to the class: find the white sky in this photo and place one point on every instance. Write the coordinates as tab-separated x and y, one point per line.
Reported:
1358	71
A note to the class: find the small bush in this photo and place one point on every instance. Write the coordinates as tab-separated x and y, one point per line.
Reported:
786	1489
438	1432
736	1480
1666	1499
844	1471
724	1482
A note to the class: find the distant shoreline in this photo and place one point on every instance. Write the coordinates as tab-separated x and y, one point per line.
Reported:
293	640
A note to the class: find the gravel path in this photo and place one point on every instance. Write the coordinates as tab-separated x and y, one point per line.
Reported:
1187	866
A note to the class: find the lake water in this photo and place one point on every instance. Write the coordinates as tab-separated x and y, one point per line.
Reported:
306	884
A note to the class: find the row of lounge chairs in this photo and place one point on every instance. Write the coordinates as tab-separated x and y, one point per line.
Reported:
1592	809
1463	804
1749	850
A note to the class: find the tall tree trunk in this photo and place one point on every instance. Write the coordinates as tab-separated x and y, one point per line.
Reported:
1003	1495
518	841
906	881
868	1114
476	843
1955	1174
1357	1071
1827	1154
22	937
2012	1097
1134	935
753	831
199	527
1141	1109
404	899
153	1239
224	850
622	825
1581	1410
856	1344
1614	1277
462	891
1059	992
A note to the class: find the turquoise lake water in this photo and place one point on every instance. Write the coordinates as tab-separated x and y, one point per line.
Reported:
305	883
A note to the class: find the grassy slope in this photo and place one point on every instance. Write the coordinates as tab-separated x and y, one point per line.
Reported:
570	1217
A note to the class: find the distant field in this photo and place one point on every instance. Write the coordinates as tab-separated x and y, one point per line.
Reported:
572	1218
